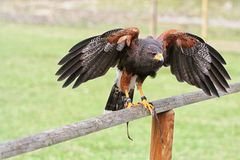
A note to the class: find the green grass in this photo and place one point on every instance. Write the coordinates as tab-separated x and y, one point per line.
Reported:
31	100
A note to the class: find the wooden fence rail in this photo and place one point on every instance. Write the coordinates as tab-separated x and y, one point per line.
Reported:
58	135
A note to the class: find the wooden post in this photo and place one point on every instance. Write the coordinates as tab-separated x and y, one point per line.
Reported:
154	18
162	149
204	27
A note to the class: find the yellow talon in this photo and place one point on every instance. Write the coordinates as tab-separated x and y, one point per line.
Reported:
147	105
130	104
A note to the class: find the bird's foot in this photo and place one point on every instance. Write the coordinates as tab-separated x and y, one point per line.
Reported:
129	104
146	104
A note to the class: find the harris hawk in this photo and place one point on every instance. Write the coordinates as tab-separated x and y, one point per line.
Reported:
190	59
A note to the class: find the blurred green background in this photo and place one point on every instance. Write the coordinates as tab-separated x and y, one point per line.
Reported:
35	35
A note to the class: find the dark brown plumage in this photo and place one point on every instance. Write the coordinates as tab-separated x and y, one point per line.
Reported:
190	59
86	60
194	61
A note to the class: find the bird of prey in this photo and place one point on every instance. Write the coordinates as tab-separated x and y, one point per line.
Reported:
190	59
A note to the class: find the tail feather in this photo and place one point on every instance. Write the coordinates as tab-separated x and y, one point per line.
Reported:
116	99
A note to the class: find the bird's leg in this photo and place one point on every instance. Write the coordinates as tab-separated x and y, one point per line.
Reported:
128	102
144	101
124	85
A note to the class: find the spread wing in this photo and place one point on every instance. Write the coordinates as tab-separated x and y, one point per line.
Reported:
194	61
92	57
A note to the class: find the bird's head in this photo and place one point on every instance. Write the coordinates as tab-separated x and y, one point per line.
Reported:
153	52
156	56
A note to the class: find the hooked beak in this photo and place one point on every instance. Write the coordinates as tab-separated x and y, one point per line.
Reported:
158	57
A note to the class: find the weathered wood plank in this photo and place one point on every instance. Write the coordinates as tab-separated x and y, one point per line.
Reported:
58	135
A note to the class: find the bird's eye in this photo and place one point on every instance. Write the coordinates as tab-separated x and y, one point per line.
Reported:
153	53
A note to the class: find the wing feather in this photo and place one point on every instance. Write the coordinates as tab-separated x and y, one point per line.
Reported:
216	54
210	85
70	71
194	78
175	66
216	81
75	50
72	77
183	67
94	56
68	65
219	76
220	68
194	61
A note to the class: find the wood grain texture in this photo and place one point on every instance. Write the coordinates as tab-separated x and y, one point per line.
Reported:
161	149
85	127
